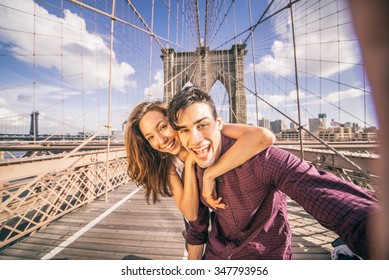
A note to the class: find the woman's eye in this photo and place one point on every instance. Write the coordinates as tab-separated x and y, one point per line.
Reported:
150	138
183	131
163	127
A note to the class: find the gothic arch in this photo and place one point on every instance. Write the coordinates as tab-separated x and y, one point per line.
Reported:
210	66
221	97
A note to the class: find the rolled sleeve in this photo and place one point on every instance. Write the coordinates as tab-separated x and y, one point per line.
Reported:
198	230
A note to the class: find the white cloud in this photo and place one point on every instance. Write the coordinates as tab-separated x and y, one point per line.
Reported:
352	93
61	43
156	88
4	111
318	49
332	97
9	118
3	102
27	93
276	63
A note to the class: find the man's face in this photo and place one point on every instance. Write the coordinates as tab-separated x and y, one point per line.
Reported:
200	134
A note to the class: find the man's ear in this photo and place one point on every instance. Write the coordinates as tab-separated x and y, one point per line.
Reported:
219	123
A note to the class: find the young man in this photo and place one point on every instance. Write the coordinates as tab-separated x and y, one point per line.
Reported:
254	224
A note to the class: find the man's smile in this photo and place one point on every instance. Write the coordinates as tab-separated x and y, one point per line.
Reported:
202	151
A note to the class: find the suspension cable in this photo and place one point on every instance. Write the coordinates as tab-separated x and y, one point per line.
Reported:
221	23
145	24
252	56
297	81
198	22
156	37
109	100
151	49
206	22
306	130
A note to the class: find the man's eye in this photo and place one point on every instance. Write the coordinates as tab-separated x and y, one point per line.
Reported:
163	127
184	130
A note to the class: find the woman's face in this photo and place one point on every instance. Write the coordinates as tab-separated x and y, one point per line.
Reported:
158	132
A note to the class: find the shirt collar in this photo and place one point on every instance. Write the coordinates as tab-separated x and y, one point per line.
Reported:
226	143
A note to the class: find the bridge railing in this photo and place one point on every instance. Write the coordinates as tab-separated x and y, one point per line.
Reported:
29	202
329	161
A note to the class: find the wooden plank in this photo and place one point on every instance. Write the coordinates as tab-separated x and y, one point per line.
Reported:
136	230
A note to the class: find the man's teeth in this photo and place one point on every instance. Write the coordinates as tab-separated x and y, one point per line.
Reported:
201	150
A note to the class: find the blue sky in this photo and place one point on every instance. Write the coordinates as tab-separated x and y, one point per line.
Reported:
62	71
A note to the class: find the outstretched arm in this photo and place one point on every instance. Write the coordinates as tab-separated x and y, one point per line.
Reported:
250	140
186	198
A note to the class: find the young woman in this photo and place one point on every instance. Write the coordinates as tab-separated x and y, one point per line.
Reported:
156	157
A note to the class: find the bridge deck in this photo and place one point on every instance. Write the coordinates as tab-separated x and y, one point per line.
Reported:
134	230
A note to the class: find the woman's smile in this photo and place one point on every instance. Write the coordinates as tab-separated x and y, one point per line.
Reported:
158	132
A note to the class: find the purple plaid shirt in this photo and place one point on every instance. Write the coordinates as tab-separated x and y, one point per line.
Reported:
255	223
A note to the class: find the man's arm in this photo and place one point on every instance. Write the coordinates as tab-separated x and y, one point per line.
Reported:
336	204
197	234
195	252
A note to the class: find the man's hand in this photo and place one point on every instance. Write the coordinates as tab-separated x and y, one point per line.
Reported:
209	193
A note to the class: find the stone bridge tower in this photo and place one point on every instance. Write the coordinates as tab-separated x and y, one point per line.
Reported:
203	68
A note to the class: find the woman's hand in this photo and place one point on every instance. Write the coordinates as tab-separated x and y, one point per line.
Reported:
209	192
190	161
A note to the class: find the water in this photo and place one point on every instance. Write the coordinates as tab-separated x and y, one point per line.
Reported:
17	154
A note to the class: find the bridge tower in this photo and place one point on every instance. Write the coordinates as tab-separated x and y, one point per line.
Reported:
34	123
203	68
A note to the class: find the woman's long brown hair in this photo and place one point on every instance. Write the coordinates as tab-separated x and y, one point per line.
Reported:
147	167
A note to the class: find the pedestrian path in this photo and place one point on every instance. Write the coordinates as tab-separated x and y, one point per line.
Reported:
126	227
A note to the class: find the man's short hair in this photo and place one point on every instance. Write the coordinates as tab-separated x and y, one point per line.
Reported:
183	99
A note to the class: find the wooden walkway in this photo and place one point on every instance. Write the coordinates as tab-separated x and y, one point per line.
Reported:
131	229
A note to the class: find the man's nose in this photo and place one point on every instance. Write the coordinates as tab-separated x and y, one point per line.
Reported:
196	137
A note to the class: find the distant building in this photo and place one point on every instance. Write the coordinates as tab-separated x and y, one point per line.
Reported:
314	125
117	135
318	123
318	126
371	129
277	126
289	135
347	134
293	135
367	134
323	119
84	135
124	126
264	123
336	134
354	126
347	124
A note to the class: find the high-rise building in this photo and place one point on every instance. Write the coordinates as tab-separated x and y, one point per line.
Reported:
277	126
317	123
292	125
264	123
